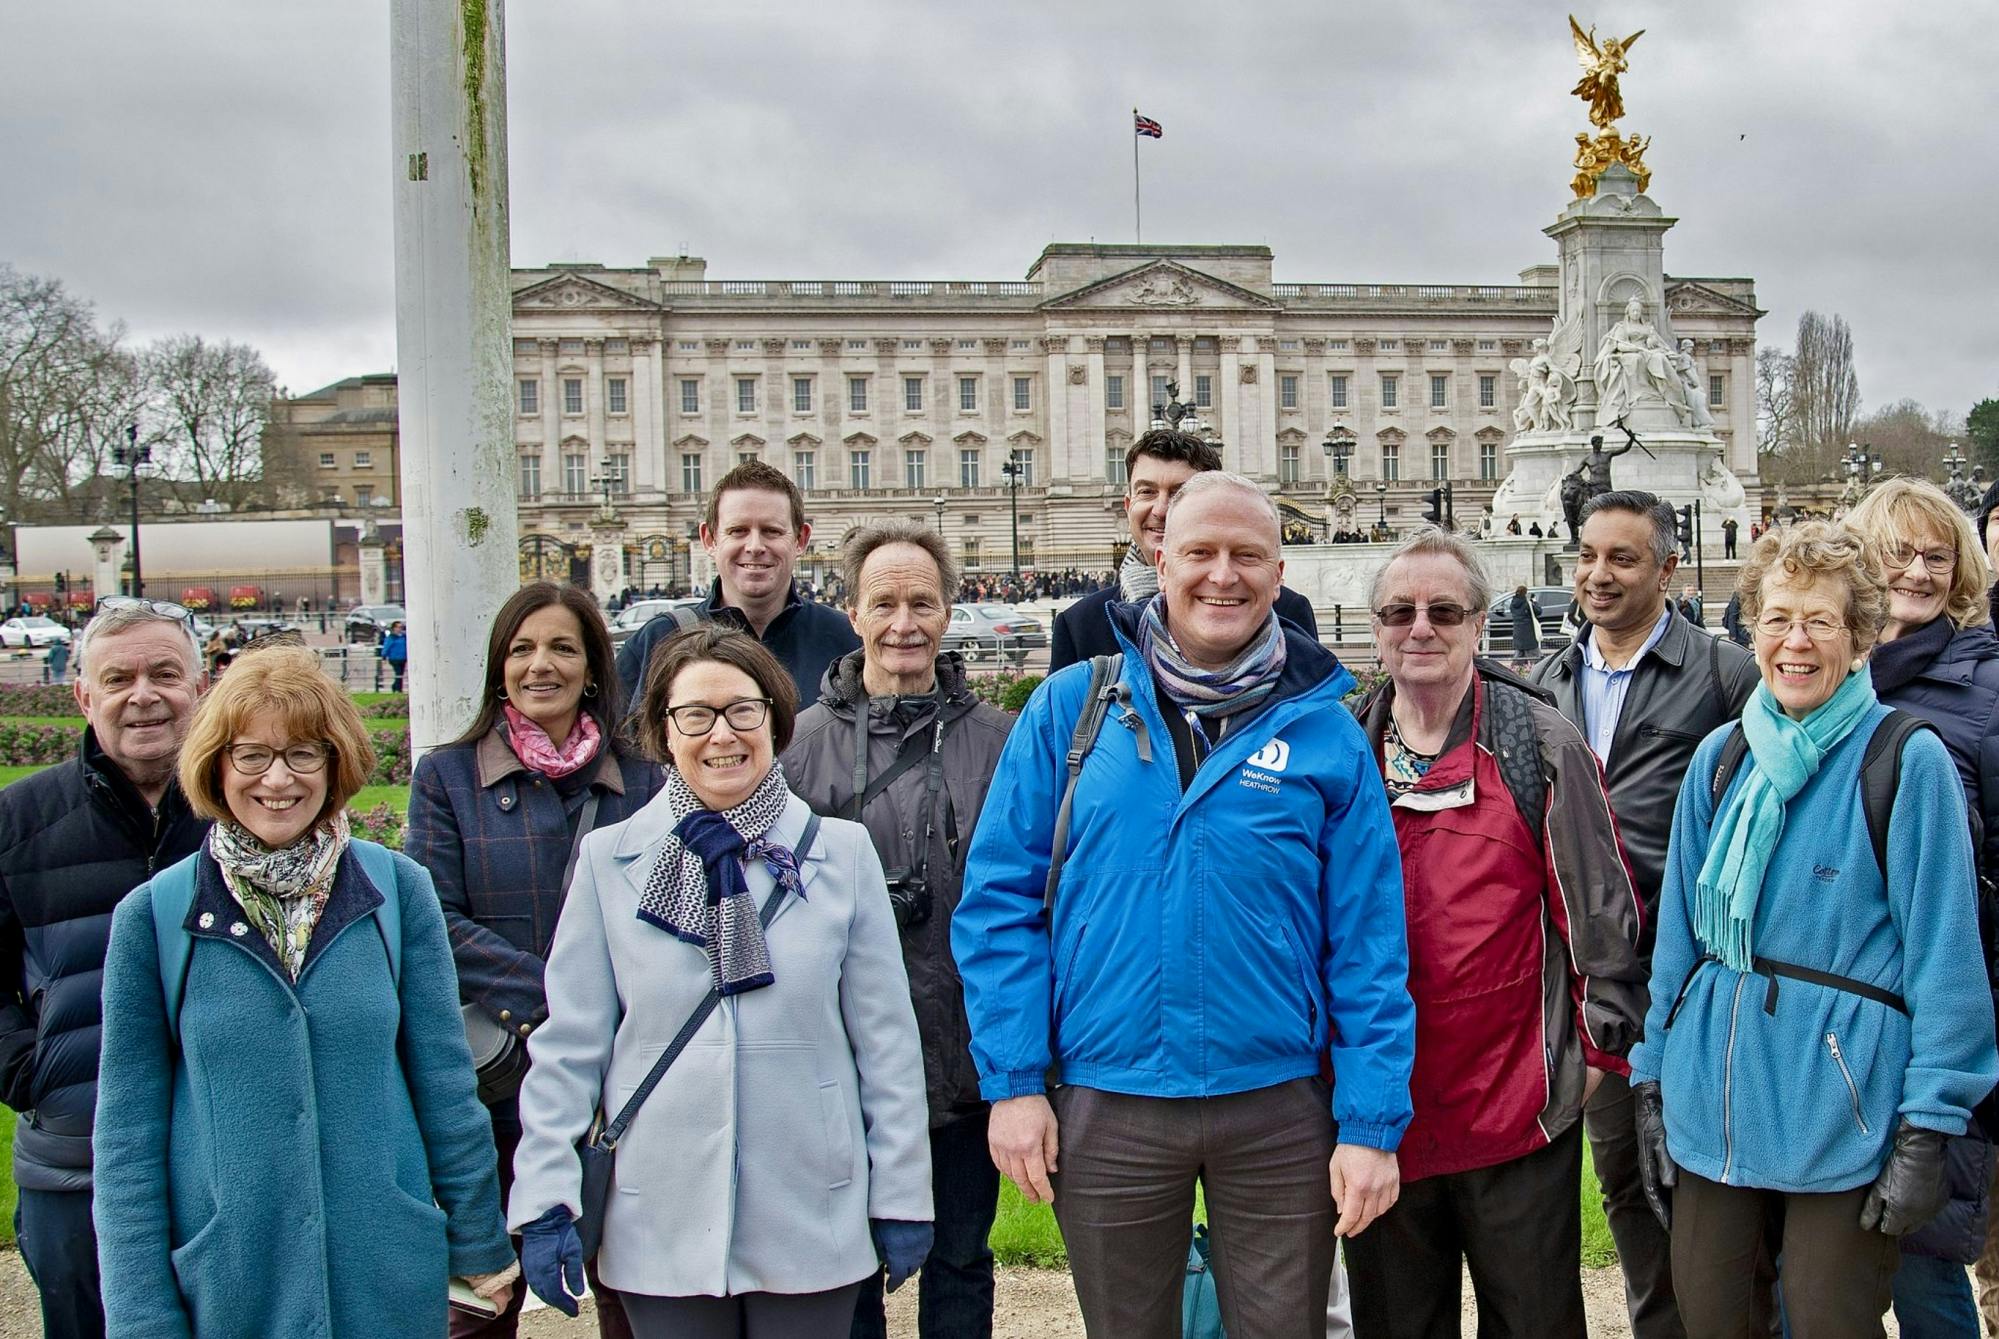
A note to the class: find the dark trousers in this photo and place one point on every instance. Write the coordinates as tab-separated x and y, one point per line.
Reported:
1643	1250
611	1322
1125	1202
59	1246
745	1316
1837	1275
1516	1226
954	1298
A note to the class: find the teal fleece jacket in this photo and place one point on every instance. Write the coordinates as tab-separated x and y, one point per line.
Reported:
1804	1093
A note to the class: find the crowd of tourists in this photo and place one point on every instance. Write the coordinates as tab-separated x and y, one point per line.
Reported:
722	978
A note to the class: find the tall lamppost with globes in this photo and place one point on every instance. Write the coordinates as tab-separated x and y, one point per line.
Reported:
1014	469
132	455
1862	464
1381	495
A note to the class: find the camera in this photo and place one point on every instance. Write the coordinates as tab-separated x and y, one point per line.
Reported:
909	898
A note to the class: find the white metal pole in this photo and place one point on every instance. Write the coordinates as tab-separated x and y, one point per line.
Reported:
447	61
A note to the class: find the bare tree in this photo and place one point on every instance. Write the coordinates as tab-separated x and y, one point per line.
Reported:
65	386
210	405
1776	421
1907	436
1825	393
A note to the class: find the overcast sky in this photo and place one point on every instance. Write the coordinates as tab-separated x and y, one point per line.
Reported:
223	166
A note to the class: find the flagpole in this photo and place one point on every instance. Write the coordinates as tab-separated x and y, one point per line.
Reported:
1137	209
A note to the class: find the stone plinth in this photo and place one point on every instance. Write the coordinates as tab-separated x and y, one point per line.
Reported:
104	546
607	556
374	570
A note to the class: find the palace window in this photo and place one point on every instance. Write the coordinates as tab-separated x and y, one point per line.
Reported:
571	346
1388	392
857	395
968	394
1114	466
912	394
1717	390
746	395
913	471
804	470
572	395
530	396
801	395
1023	463
857	469
364	460
968	467
617	346
690	395
1287	391
1159	390
1439	387
690	472
575	474
1113	392
1287	463
1488	461
618	469
614	394
1338	387
1488	390
530	477
1023	394
1391	461
1437	346
1204	391
326	461
1440	461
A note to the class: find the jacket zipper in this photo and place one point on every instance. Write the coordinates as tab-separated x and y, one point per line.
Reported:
1728	1084
1852	1089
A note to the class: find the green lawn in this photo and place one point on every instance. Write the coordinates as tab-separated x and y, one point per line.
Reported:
76	722
8	774
6	1176
396	797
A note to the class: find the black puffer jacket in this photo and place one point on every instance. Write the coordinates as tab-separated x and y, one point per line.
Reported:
74	839
820	767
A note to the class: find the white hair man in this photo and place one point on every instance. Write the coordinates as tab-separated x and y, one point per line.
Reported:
1229	907
74	839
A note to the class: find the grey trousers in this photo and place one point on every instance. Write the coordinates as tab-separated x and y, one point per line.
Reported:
822	1315
1125	1201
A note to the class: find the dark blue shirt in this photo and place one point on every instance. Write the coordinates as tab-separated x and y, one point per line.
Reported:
805	637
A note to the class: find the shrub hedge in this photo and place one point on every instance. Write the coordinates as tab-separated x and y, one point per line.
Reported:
23	745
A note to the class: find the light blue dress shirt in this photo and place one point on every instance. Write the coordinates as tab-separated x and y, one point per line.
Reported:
1604	688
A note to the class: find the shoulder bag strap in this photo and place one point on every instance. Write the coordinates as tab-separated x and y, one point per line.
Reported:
379	864
172	895
609	1136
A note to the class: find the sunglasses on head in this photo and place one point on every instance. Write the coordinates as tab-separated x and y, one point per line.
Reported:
1401	614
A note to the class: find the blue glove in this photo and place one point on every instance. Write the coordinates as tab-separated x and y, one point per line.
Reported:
903	1247
552	1259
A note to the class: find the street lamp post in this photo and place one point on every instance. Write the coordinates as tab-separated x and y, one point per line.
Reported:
1861	465
1013	469
937	504
133	454
1381	494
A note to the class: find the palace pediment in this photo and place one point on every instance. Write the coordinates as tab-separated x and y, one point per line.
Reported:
1163	285
1688	298
575	292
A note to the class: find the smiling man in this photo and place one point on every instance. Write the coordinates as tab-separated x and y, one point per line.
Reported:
1644	686
1229	908
755	530
74	839
1156	467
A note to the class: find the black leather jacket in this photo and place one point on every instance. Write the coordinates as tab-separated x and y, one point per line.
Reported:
1683	688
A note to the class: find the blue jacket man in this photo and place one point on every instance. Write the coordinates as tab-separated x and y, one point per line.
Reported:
1229	908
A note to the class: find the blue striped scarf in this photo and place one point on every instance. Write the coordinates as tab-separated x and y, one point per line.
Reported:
1243	684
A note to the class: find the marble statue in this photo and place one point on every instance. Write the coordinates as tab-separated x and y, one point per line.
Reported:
1691	391
1602	62
1546	392
1632	365
1721	491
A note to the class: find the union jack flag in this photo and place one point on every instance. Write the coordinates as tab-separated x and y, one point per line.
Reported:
1145	125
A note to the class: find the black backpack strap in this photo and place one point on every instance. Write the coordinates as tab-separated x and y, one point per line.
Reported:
1519	750
1714	669
1104	689
1881	776
1733	750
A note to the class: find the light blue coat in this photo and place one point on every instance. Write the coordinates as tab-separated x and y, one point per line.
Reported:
1804	1095
795	1114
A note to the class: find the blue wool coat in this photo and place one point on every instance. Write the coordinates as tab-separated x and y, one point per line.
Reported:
1805	1094
310	1160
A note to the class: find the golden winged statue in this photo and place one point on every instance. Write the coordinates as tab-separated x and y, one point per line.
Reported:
1602	63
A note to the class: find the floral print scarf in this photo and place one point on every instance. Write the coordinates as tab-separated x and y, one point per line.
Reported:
282	892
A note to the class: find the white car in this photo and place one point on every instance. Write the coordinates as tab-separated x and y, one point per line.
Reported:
638	613
31	632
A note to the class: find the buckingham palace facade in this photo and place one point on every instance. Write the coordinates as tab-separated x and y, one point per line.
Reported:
908	398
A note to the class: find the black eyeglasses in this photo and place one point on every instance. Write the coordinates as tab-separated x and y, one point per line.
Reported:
161	608
256	759
263	641
1402	614
698	718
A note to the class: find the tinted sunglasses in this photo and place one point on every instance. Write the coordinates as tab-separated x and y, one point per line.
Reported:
1401	615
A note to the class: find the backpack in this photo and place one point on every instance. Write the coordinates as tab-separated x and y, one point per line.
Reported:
1200	1305
173	894
1880	773
1106	687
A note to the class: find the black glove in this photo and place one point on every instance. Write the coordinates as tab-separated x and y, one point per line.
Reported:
1910	1190
1656	1172
552	1259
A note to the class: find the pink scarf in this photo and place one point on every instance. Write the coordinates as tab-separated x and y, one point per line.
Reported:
533	747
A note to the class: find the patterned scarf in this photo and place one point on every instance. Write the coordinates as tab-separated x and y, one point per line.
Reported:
1785	754
535	749
282	892
1137	579
696	891
1241	685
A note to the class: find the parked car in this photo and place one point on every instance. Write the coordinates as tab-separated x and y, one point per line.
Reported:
32	631
638	613
1551	607
993	632
367	622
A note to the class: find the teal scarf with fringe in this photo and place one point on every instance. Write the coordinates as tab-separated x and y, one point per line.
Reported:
1783	755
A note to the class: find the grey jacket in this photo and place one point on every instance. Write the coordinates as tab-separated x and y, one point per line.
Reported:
1684	688
820	767
794	1115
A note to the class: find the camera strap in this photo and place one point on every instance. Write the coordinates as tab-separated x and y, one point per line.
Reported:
912	753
